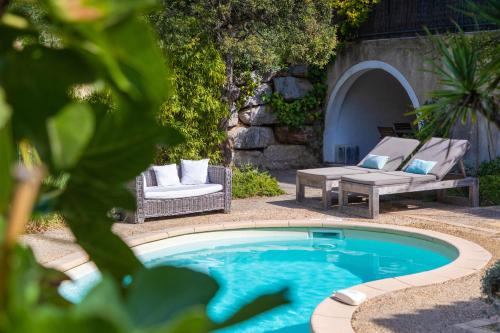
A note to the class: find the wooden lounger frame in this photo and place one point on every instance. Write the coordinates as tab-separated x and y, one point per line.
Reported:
373	192
317	181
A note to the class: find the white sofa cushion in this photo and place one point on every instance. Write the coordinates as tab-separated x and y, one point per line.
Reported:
166	175
194	172
180	191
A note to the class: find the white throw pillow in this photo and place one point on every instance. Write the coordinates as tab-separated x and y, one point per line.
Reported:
194	172
166	175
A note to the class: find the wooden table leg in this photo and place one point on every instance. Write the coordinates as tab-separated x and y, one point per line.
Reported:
373	203
474	193
327	194
343	198
441	195
299	189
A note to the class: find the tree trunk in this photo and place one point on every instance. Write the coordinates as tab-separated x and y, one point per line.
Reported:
229	97
230	86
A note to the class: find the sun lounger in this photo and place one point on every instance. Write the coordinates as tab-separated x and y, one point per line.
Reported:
445	152
398	150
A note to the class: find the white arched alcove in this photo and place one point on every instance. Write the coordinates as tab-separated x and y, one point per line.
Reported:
367	95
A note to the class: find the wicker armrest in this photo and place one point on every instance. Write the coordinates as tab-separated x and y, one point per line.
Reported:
139	195
221	175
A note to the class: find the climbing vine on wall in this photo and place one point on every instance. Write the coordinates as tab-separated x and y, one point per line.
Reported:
297	113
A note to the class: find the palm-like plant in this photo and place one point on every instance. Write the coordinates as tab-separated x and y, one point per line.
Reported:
468	79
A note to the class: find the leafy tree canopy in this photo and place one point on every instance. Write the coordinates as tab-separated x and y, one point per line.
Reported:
268	34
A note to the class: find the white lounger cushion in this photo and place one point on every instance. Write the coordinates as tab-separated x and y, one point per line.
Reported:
180	191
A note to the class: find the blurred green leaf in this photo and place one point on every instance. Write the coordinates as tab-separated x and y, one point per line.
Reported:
54	320
112	309
141	59
69	132
134	66
259	305
126	140
5	110
37	81
12	27
6	153
107	250
159	294
191	321
92	10
122	145
29	283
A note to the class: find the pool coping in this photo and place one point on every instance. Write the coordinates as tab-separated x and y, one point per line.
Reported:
331	313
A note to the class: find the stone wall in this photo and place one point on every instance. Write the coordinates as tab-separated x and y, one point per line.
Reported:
256	137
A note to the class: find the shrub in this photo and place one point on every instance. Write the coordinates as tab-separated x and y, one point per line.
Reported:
250	182
491	284
489	190
489	168
489	182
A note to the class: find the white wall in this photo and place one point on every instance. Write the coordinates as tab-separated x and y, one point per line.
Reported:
376	98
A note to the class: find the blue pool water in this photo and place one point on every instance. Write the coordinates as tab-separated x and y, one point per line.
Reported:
312	265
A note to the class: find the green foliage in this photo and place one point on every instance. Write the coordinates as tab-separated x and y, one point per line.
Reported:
247	89
351	13
491	284
468	68
489	182
196	107
489	190
250	182
91	149
305	110
268	34
466	88
489	168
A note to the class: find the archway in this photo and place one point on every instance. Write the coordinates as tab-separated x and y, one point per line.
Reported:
368	95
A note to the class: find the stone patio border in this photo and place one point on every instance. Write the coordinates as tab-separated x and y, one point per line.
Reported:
330	313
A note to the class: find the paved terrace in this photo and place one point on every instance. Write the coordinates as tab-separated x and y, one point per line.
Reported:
435	308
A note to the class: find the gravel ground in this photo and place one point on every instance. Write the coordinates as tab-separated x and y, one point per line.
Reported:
434	308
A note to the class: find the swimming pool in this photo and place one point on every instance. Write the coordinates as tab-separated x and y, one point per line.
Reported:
313	263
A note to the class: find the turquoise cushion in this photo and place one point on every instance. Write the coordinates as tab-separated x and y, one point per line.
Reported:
375	161
420	166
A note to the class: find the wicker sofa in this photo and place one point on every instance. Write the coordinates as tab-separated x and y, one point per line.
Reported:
147	207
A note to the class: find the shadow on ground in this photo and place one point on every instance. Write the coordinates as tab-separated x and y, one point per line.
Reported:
438	319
